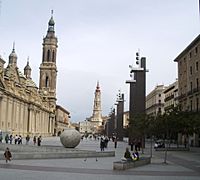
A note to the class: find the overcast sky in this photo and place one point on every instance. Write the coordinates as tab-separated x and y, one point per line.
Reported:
98	40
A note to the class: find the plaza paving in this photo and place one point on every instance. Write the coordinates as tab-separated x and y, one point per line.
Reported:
180	165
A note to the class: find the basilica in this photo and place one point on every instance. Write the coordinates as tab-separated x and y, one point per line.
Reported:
26	108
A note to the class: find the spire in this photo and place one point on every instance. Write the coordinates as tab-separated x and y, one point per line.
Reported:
27	70
98	87
51	23
13	47
13	56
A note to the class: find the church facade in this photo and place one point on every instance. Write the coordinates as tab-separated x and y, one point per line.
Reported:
25	108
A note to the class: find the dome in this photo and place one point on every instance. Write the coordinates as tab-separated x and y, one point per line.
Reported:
27	67
51	22
13	54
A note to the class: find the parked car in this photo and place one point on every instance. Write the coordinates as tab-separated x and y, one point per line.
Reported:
159	144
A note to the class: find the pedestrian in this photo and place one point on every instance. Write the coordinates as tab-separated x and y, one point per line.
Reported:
34	140
16	139
7	155
39	140
27	139
115	142
11	138
135	156
131	144
20	139
1	138
6	138
102	144
127	155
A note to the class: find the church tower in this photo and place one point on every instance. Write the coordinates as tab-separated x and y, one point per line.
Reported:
97	116
48	69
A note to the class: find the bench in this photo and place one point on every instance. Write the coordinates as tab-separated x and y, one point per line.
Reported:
123	165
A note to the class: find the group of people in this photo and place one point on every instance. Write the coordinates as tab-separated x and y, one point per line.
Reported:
17	139
131	157
104	143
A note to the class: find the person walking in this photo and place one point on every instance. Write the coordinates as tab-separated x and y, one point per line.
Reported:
115	142
6	138
7	155
27	139
39	141
16	139
102	144
11	138
34	140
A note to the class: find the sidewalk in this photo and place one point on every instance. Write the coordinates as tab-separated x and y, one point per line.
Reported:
180	165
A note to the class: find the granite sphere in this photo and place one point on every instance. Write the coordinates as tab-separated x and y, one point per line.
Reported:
70	138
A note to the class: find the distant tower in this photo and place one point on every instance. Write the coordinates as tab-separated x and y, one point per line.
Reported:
96	116
48	69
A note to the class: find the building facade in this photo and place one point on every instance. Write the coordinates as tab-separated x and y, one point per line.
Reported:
155	101
25	108
188	81
171	96
189	76
62	120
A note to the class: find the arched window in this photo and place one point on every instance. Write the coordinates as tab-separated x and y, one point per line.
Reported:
43	56
48	55
47	81
53	56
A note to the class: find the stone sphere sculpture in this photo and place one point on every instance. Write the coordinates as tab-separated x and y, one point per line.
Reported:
70	138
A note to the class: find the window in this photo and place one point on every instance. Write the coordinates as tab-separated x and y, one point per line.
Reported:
190	70
190	55
43	56
197	83
196	50
197	104
47	82
159	95
197	66
53	56
48	55
190	86
159	101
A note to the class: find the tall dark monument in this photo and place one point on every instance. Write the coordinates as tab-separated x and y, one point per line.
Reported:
110	124
137	88
120	117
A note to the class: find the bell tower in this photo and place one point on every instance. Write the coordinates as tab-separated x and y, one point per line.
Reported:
96	116
48	69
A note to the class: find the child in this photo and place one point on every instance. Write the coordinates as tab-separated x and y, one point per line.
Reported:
7	155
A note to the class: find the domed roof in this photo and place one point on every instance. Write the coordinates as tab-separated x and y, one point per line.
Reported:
13	54
51	21
27	67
